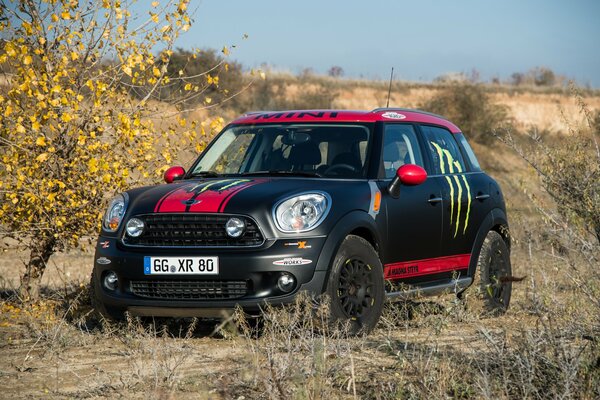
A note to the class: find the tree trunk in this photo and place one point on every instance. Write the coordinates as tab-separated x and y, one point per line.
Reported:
32	277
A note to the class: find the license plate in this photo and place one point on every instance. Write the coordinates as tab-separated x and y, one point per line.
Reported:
181	265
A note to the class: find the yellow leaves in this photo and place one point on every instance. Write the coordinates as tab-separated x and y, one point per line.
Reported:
156	72
27	27
155	4
10	49
74	56
154	17
166	28
20	128
42	157
54	18
66	117
92	165
8	110
27	60
65	15
188	86
225	50
208	100
41	141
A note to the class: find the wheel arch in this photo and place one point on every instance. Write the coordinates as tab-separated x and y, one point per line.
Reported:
495	221
357	223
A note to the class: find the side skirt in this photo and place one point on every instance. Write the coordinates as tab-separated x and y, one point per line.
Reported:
453	286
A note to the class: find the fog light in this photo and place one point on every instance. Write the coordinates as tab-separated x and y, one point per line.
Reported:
235	227
135	227
286	282
111	281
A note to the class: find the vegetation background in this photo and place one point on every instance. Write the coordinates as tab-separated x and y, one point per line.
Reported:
81	120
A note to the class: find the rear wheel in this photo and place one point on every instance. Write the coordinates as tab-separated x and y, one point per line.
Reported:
492	287
355	285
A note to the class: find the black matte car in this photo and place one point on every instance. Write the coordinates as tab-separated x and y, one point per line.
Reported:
359	205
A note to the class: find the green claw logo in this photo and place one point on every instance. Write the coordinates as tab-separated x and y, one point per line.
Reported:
454	167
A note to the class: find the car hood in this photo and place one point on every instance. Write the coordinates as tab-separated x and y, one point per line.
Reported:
251	196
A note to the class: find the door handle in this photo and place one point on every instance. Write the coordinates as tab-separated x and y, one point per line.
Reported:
434	200
482	196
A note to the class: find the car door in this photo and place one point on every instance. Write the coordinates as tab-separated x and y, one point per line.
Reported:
463	193
414	219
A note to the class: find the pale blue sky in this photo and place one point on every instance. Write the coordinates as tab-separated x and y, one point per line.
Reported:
421	38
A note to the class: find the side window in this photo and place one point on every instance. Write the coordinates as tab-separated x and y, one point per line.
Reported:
400	146
444	150
469	152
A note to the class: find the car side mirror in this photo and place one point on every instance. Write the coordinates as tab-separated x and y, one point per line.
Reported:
173	174
409	175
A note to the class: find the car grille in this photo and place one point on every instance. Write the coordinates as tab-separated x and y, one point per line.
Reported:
193	230
190	290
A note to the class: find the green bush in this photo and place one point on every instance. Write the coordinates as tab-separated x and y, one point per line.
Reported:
470	108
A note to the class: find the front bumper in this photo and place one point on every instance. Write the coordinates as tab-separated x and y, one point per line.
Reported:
254	266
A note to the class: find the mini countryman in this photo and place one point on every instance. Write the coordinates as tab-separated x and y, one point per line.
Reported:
358	205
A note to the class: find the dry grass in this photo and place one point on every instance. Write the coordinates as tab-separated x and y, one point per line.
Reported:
546	346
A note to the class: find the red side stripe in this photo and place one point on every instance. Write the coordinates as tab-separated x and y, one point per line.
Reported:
408	269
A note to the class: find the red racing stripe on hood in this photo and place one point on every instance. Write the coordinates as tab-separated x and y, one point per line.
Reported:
208	196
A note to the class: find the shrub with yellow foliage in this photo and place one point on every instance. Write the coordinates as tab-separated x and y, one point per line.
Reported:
71	133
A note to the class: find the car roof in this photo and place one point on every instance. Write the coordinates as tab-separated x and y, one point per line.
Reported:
378	114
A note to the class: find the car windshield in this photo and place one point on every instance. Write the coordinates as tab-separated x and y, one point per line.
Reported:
333	151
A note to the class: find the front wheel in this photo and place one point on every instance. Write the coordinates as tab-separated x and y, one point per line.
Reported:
355	285
492	287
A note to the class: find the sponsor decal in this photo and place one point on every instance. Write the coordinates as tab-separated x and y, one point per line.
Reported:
208	196
301	244
455	180
409	269
103	261
393	115
105	244
292	261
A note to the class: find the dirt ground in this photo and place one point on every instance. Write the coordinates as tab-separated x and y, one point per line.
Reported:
45	356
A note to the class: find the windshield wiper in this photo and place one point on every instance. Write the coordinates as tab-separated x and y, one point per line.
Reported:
287	173
204	174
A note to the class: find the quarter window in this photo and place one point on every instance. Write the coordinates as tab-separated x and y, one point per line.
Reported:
400	146
444	150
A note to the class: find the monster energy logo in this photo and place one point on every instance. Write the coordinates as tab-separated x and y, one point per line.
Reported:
455	168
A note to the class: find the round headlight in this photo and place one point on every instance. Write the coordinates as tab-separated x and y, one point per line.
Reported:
235	227
115	212
302	213
135	227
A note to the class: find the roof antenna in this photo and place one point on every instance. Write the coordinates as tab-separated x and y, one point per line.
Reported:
390	88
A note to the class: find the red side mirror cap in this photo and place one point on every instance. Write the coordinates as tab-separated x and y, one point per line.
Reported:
411	174
174	173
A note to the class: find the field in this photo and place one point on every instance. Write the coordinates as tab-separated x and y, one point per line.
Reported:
545	346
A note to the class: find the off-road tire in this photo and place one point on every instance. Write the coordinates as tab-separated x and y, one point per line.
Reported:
491	289
355	286
104	312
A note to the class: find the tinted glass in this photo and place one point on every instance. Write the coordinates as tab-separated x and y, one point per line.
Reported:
468	151
336	151
400	146
444	150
